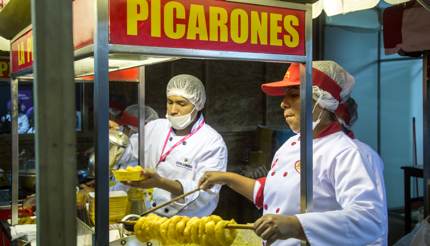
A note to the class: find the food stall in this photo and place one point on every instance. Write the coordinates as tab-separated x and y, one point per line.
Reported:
136	33
408	35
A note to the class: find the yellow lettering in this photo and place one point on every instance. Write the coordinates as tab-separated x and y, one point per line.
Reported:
275	29
239	26
169	20
197	23
4	68
29	49
218	18
292	40
155	18
21	53
259	28
137	10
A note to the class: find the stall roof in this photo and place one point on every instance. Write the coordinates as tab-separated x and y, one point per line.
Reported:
14	16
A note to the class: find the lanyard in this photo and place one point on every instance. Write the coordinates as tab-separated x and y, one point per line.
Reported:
163	155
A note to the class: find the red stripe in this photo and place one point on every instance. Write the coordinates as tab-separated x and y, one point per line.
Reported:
259	198
326	83
342	112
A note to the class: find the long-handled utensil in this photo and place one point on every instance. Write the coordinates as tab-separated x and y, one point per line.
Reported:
228	226
169	202
240	226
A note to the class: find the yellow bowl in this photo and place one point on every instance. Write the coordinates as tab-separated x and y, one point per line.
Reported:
128	174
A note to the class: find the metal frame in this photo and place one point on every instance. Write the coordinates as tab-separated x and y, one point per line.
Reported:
306	133
101	117
142	115
426	130
306	97
101	49
208	54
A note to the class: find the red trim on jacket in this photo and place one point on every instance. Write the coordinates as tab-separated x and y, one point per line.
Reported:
259	198
332	128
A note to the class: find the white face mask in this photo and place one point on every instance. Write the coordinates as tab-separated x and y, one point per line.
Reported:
183	121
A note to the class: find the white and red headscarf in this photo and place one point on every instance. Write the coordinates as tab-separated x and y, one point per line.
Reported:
332	84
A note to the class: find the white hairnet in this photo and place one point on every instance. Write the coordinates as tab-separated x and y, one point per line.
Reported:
189	87
340	76
133	110
150	114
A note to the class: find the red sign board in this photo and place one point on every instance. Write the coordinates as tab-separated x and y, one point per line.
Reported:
22	52
4	68
207	25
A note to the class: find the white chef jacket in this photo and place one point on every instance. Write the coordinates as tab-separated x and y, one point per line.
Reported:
348	207
377	168
204	151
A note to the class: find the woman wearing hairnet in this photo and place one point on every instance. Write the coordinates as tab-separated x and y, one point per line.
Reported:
180	149
348	205
128	122
347	115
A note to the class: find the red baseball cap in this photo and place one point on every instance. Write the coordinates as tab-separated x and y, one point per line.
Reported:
292	78
128	119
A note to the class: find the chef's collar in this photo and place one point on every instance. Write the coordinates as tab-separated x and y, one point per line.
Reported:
330	129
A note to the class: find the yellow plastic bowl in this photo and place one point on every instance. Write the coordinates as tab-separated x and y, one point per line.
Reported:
128	174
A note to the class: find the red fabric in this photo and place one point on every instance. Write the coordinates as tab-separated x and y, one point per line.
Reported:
392	19
292	78
128	119
350	134
259	198
342	112
332	128
406	29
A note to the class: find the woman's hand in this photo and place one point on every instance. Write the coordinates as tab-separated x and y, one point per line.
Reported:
272	227
209	179
150	179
